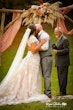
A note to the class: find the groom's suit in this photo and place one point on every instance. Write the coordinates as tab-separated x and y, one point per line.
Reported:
46	62
62	62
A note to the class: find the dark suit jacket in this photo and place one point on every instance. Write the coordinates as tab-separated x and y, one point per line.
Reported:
62	57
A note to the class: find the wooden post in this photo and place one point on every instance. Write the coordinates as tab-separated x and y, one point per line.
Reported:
1	31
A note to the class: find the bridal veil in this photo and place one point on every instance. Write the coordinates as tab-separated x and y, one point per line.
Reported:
17	60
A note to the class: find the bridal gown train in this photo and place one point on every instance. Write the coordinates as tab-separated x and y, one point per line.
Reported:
25	86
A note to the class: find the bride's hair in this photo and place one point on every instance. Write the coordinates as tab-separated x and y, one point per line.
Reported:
33	28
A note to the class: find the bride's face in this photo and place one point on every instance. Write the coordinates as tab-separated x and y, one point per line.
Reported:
36	33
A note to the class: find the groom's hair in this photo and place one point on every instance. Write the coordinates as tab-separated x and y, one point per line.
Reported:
33	28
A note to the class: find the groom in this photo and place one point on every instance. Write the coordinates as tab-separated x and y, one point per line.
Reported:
46	58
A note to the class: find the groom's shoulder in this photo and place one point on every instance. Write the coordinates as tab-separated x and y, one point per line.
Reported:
45	34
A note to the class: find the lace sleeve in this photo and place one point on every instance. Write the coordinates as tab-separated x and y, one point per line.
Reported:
32	39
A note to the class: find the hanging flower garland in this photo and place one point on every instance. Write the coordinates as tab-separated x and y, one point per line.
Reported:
45	13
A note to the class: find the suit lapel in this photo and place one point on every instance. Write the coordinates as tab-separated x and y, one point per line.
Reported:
59	41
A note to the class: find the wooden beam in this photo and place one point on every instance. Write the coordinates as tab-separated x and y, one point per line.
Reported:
2	23
1	32
11	10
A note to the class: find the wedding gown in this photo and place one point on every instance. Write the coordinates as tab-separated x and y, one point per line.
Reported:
26	84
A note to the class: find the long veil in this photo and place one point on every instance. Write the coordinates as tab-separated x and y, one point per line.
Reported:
17	60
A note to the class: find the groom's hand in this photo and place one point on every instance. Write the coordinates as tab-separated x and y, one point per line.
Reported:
43	41
30	48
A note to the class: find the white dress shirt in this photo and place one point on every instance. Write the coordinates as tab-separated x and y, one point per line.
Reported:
43	35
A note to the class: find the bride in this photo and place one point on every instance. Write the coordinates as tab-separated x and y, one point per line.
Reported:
23	82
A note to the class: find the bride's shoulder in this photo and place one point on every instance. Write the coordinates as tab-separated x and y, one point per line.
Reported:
32	38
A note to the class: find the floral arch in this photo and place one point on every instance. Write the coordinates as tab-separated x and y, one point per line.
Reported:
45	12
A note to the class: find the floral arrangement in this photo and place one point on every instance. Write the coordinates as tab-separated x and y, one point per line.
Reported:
45	13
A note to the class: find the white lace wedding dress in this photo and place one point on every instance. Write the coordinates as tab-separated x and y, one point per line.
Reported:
25	85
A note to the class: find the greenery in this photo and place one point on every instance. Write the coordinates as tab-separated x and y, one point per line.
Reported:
7	58
39	106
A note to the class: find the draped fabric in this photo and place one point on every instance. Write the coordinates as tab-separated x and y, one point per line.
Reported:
66	9
8	37
60	21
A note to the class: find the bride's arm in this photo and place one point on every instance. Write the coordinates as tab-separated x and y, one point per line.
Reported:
36	47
